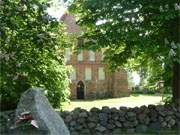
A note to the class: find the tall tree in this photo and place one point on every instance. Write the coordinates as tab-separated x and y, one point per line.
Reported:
31	44
147	30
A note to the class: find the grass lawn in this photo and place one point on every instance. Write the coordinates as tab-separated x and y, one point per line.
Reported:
132	101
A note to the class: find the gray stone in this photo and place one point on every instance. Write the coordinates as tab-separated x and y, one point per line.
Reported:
93	118
146	120
74	133
94	109
134	123
114	110
172	122
91	125
34	101
178	109
131	114
103	117
75	116
110	126
156	126
106	109
160	108
122	113
141	116
163	124
127	124
81	120
115	116
143	108
163	113
83	114
131	119
141	128
169	113
117	131
103	123
123	108
78	127
73	123
68	118
177	115
122	119
118	124
100	128
168	118
161	119
98	133
85	131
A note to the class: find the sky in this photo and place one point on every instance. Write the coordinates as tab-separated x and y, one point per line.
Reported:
59	8
136	78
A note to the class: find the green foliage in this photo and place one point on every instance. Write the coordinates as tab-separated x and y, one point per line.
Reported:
167	99
141	35
30	52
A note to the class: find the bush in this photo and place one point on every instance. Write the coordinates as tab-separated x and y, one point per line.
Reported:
30	52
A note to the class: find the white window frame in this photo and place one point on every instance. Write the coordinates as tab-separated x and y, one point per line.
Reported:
73	75
91	55
101	73
67	54
80	56
88	74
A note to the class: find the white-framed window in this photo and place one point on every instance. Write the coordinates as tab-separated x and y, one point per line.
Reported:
91	56
88	74
73	74
101	73
80	56
67	54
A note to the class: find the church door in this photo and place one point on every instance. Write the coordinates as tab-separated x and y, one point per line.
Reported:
80	90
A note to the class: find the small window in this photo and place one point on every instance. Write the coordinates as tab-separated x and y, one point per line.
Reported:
101	74
67	54
91	56
73	75
80	56
88	74
80	42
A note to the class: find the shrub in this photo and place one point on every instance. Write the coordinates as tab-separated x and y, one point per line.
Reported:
30	52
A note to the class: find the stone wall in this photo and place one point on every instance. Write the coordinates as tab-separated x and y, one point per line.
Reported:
112	121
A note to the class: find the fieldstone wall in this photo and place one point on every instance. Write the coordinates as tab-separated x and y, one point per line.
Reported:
112	121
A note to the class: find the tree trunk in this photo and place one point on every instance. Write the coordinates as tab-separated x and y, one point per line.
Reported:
176	83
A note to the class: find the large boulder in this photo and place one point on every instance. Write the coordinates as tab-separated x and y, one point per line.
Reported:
35	102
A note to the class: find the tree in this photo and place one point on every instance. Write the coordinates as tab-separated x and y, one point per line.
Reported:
31	44
147	31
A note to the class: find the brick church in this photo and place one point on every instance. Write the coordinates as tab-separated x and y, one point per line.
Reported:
90	77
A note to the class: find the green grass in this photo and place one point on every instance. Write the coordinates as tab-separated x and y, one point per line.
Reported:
132	101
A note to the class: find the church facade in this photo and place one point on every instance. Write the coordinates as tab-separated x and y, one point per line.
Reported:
90	77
